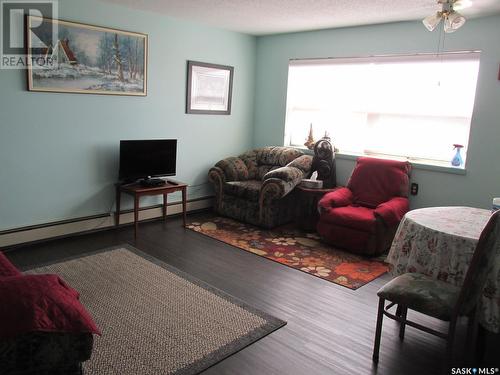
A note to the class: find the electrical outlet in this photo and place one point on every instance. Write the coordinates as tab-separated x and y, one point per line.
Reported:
414	188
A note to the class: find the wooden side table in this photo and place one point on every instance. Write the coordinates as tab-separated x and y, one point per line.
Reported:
137	191
308	215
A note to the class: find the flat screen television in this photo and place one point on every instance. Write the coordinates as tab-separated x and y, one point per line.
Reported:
142	159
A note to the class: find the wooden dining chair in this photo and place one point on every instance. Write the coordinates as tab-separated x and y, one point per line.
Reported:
438	299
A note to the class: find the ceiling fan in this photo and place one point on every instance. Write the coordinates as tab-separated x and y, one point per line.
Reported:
452	19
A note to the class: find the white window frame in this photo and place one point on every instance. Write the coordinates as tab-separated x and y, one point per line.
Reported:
419	162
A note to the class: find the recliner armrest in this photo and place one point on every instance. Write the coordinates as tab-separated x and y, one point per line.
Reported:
392	211
338	198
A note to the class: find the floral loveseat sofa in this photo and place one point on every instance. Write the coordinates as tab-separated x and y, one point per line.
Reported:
257	187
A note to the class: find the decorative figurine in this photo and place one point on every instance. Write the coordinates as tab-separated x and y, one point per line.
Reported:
310	139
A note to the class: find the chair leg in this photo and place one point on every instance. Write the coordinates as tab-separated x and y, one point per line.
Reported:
449	343
378	330
404	312
472	325
399	310
480	344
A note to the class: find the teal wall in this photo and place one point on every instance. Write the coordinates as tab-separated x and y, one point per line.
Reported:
59	152
482	180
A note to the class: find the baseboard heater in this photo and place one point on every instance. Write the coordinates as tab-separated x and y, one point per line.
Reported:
34	233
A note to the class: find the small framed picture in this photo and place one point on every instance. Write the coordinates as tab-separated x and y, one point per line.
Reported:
209	88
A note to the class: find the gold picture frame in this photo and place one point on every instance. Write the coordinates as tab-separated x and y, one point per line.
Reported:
85	59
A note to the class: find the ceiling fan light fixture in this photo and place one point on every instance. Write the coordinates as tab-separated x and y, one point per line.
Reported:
452	19
431	22
453	22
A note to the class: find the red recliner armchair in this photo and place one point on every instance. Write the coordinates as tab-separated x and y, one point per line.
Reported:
363	217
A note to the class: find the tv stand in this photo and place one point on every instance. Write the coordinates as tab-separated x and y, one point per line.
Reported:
137	190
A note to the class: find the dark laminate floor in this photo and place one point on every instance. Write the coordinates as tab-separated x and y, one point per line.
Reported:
330	328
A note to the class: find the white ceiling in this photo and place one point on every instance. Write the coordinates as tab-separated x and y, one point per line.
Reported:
261	17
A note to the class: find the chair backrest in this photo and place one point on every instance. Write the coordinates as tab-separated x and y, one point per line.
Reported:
488	247
374	181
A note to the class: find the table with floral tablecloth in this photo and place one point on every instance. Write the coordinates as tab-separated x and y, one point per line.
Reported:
439	242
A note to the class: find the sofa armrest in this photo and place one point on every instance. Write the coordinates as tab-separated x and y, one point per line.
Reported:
233	169
286	174
304	163
274	188
338	198
228	169
392	211
281	181
293	172
217	177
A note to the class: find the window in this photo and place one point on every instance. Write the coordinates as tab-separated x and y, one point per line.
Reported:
415	107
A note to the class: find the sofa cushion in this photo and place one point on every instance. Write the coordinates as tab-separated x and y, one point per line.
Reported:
278	156
304	163
361	218
375	181
7	268
249	189
250	160
262	160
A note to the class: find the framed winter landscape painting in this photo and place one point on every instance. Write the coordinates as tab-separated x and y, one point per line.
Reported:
78	58
209	88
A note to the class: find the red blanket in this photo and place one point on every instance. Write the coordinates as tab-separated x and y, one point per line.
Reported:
41	303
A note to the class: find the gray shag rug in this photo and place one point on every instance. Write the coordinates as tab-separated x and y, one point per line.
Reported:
154	318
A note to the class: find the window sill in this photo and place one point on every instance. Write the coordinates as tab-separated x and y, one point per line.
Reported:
425	166
428	166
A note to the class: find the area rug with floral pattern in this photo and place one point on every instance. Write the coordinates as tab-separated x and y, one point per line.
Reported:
296	249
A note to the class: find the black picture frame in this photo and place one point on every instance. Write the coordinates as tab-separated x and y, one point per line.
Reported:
209	88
